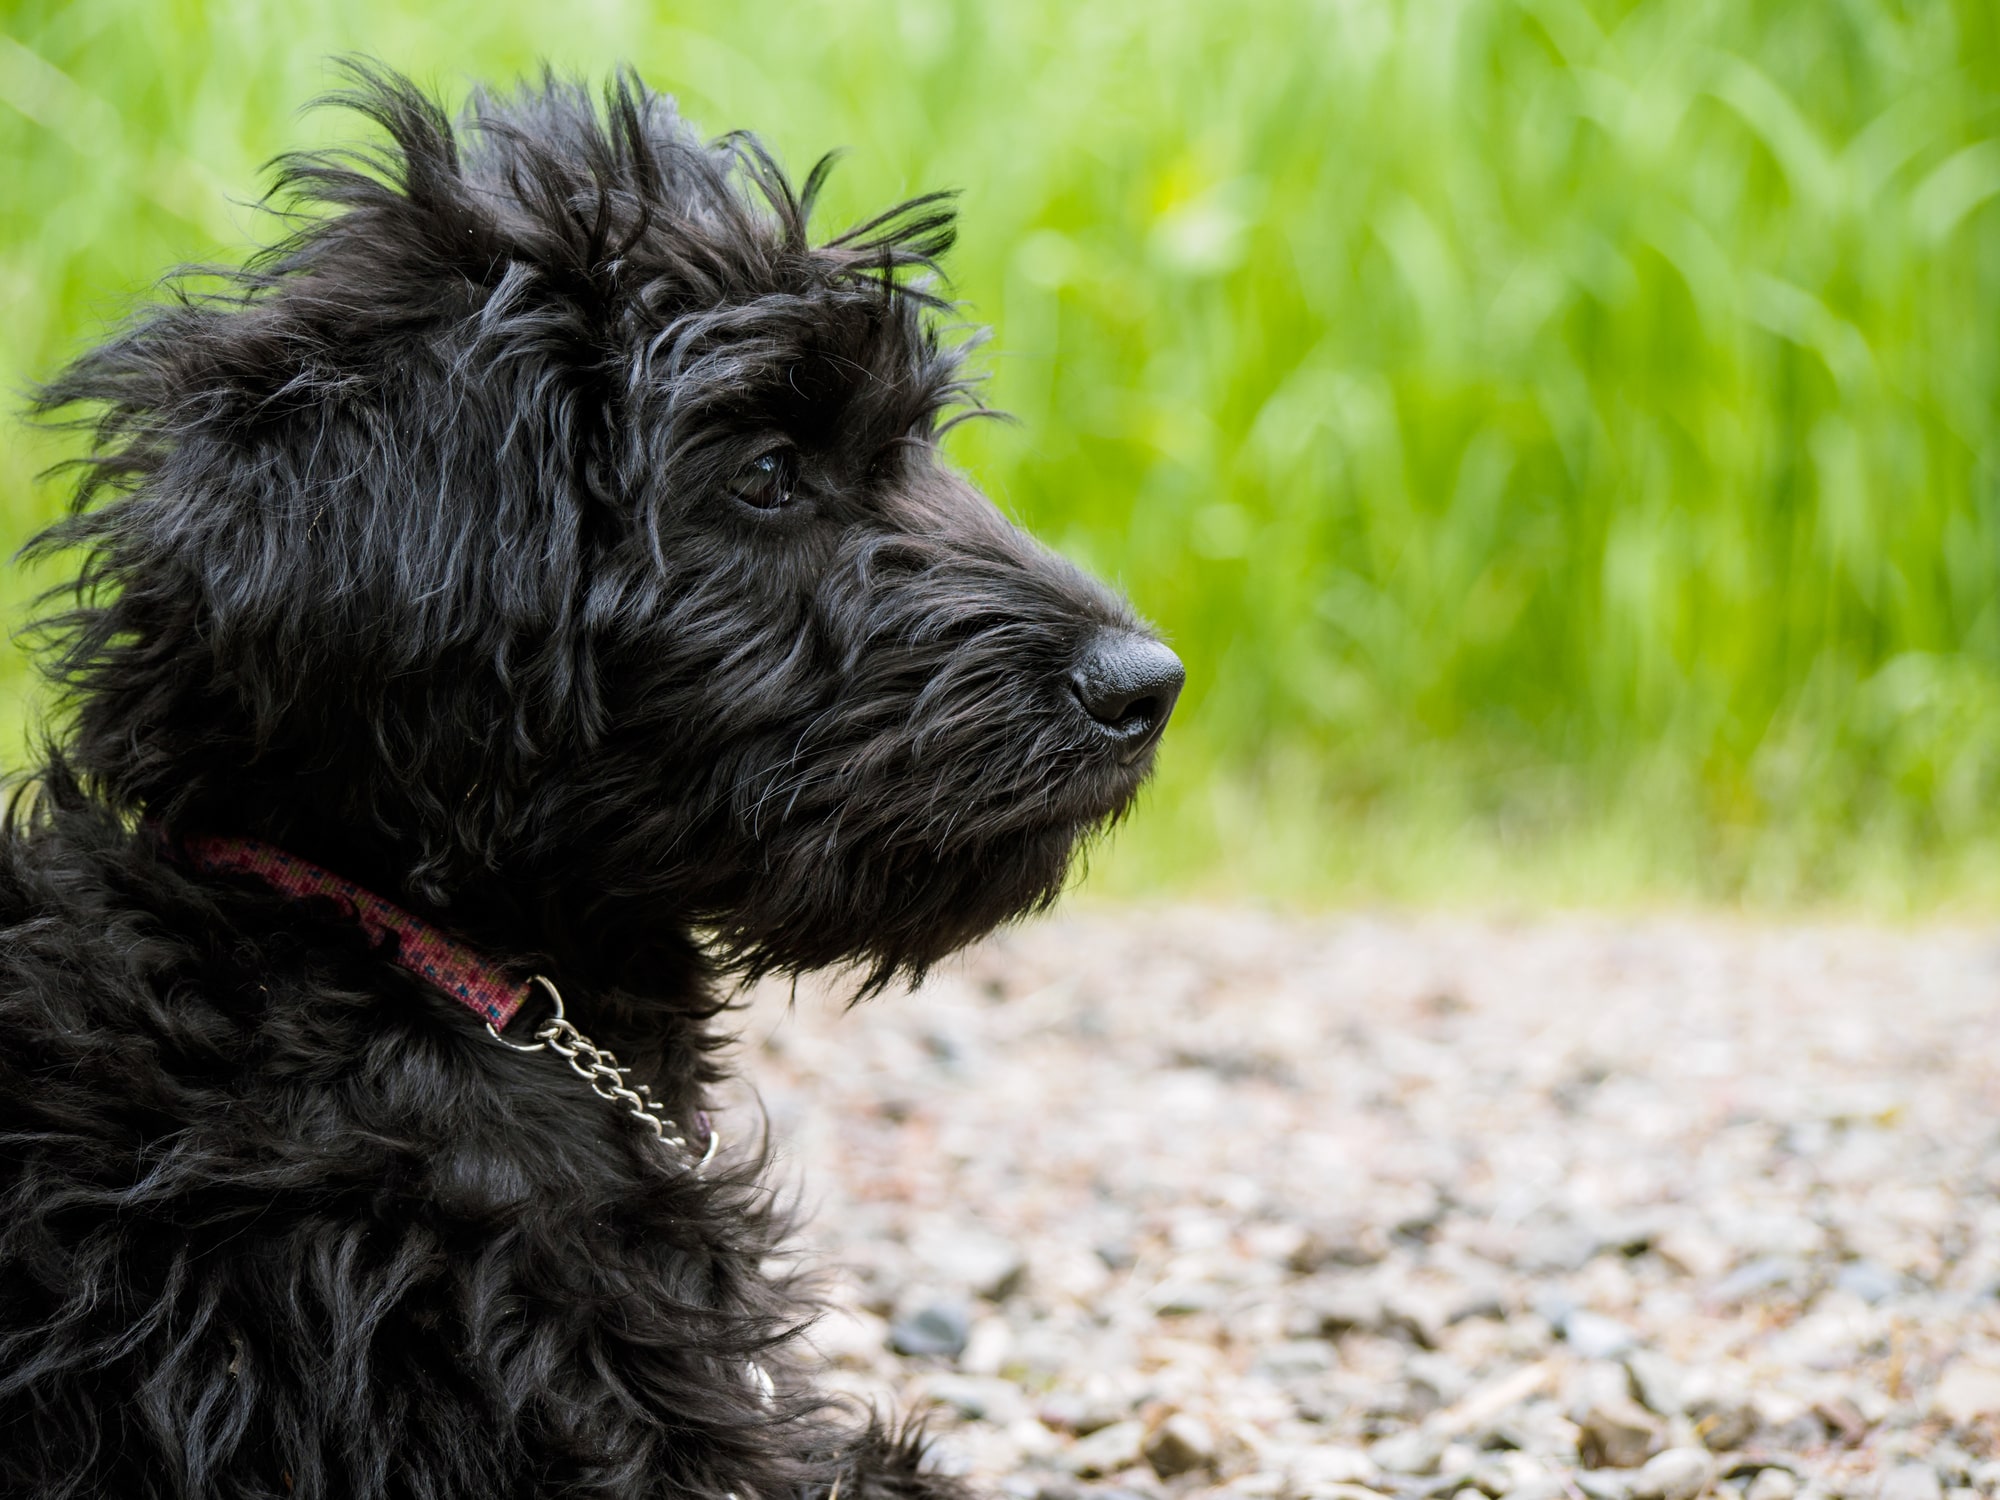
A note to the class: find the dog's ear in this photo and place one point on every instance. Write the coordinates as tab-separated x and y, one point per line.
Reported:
337	510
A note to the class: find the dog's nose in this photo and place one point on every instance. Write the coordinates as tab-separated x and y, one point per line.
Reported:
1127	683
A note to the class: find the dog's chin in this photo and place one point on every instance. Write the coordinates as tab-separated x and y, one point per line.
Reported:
1021	868
876	894
897	919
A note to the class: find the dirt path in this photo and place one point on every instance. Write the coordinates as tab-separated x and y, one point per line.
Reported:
1172	1200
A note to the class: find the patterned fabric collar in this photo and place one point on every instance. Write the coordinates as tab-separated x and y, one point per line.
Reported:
420	947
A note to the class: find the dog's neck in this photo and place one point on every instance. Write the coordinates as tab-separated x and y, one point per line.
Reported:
487	990
456	971
519	921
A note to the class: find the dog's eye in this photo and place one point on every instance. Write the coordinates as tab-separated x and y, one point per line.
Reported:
765	484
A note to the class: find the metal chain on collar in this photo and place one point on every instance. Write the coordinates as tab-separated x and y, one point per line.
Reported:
599	1067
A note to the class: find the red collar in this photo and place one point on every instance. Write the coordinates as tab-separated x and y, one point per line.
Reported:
420	947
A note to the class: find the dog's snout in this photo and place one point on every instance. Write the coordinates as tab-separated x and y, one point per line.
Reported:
1127	684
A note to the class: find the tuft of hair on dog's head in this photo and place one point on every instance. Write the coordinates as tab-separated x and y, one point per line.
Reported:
549	530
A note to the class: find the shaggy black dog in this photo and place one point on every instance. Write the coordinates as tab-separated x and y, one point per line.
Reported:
551	539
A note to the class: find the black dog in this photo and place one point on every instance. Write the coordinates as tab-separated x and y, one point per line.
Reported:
550	539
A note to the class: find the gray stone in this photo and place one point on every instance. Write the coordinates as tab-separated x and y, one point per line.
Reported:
1594	1336
1967	1391
1656	1381
1107	1450
1772	1484
1554	1304
977	1398
1724	1420
1766	1273
1910	1481
1693	1251
1868	1281
934	1328
985	1264
1953	1464
1318	1469
1291	1359
1420	1319
1182	1444
1558	1248
1117	1255
1539	1427
1179	1299
1075	1412
1445	1378
1615	1432
1347	1310
1337	1245
1677	1474
1843	1417
1416	1451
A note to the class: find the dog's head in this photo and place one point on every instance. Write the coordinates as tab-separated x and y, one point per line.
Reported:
550	526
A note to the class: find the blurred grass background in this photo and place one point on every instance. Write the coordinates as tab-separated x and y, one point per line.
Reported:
1560	435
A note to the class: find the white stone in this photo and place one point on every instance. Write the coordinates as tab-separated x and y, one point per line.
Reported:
1911	1481
1677	1474
1967	1391
1106	1451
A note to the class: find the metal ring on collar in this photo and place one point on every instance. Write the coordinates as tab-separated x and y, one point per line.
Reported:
541	1043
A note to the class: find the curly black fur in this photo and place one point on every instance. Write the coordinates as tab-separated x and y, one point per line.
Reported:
551	536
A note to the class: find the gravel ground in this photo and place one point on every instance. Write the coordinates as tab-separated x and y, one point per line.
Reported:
1184	1201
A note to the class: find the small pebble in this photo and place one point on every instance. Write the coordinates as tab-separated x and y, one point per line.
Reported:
1967	1391
1318	1466
1107	1450
1615	1432
1594	1336
933	1328
1954	1465
1677	1474
1868	1281
1081	1414
984	1264
1181	1444
1656	1381
1725	1420
1912	1481
1416	1451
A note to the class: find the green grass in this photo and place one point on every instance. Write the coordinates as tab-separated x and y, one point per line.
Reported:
1563	438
